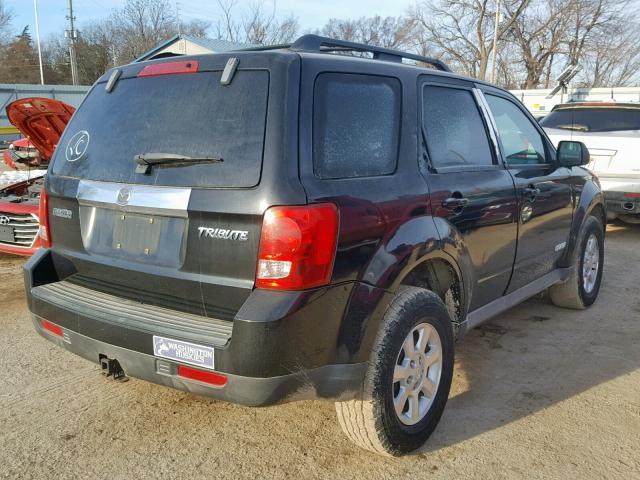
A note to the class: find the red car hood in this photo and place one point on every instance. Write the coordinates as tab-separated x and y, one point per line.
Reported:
41	120
23	142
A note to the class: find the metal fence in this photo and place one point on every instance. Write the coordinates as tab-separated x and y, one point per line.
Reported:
70	94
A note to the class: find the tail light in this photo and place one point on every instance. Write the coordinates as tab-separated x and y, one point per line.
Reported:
632	195
297	246
44	232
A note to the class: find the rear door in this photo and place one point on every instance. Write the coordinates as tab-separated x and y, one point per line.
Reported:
543	189
470	189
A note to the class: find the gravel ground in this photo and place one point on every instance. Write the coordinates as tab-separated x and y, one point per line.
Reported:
540	392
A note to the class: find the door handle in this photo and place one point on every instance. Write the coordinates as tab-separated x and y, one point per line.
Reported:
454	203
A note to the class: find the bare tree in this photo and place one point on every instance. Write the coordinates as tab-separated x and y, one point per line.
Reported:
390	32
539	34
462	31
255	25
142	24
5	22
614	60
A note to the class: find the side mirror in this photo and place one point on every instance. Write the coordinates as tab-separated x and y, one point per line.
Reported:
572	154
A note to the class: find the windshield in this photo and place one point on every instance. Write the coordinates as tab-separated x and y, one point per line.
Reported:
596	119
189	115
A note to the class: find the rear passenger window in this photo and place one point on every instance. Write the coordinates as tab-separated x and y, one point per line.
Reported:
356	125
456	135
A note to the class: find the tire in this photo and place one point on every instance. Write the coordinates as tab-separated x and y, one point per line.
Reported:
370	420
572	293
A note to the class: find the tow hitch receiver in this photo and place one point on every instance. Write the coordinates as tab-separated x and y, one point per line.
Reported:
111	367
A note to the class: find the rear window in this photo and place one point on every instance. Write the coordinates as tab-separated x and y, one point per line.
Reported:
356	125
187	114
593	119
455	132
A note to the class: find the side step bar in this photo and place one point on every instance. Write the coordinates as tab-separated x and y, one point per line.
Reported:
499	305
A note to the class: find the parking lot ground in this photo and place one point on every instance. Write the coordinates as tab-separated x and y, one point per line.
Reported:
539	392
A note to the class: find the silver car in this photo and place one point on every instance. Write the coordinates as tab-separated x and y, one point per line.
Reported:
611	131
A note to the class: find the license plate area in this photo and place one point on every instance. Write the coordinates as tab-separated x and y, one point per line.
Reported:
138	237
7	234
136	234
184	352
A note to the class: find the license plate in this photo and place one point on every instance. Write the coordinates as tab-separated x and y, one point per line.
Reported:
7	234
183	352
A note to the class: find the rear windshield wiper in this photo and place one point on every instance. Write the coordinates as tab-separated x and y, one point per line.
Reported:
145	161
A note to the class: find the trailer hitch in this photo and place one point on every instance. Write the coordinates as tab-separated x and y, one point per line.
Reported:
111	368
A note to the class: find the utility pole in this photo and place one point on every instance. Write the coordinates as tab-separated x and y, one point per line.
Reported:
495	43
35	9
72	34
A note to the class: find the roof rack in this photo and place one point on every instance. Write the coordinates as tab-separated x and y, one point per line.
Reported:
317	43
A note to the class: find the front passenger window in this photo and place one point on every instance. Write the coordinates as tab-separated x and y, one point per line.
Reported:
520	141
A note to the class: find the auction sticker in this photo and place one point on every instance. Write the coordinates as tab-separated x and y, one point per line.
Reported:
183	352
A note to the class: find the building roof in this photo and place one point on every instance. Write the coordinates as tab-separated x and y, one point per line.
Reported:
213	44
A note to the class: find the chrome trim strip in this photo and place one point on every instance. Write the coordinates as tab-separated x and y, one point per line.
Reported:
493	129
156	200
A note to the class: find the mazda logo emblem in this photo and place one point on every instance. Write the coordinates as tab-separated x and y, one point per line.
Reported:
124	194
4	220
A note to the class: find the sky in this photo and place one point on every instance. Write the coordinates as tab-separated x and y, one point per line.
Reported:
311	14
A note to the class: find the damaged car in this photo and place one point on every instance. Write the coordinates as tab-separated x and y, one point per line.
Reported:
42	121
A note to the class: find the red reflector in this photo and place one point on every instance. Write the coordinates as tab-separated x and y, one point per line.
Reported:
169	68
632	195
297	246
202	376
51	327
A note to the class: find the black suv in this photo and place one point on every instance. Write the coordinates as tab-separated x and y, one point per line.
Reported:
295	222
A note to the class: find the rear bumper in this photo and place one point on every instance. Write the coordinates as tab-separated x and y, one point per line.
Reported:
622	203
24	251
329	381
281	346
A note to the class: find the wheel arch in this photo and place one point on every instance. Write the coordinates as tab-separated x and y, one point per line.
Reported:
442	275
590	203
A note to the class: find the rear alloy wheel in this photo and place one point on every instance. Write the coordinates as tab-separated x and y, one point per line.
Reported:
417	373
408	379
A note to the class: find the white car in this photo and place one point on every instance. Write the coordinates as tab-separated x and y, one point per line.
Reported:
611	132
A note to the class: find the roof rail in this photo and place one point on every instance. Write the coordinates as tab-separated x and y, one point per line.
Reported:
316	43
